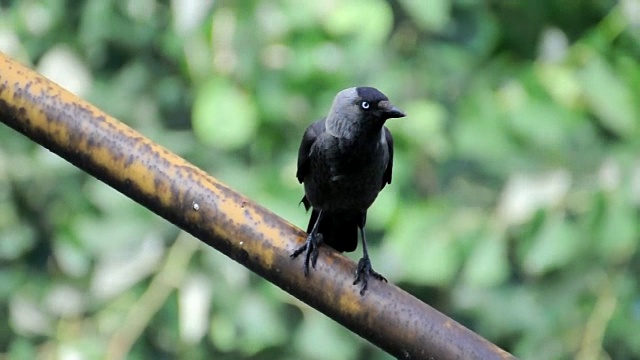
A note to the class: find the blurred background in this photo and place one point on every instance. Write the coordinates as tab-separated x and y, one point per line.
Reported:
514	206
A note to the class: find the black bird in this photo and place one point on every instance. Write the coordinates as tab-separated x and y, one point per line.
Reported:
344	161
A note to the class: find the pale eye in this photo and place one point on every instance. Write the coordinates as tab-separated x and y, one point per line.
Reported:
365	105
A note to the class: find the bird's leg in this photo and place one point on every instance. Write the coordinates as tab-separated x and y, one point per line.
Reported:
364	269
310	246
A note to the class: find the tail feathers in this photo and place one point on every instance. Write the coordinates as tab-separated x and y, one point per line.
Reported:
338	231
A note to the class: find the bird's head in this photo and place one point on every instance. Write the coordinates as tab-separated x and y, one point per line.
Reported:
359	109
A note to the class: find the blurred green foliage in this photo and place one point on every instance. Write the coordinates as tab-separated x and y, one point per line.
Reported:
514	206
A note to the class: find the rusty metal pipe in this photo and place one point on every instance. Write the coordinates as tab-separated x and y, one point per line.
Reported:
227	221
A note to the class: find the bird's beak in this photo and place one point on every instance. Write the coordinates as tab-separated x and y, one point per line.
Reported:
390	111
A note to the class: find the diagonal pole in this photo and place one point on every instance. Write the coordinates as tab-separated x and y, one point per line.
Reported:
227	221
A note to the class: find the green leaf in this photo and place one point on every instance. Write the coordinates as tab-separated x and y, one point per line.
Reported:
555	245
346	18
321	338
617	232
609	98
425	126
426	245
223	115
429	15
259	325
222	332
488	263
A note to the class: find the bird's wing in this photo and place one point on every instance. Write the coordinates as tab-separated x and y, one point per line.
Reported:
313	132
386	178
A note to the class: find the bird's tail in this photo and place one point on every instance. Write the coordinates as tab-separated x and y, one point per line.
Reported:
338	230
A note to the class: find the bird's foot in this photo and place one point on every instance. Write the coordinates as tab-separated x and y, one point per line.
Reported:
363	272
310	248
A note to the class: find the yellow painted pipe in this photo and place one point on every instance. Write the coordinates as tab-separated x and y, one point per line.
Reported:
229	222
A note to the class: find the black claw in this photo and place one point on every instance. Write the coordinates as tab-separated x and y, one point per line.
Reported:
299	251
363	272
310	248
